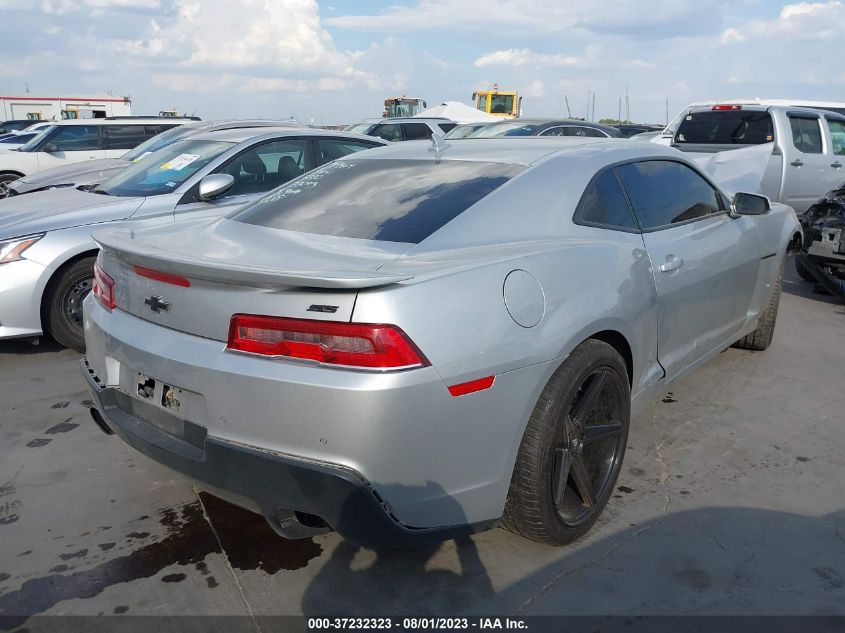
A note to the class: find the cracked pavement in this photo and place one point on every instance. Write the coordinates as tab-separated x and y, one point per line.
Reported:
731	501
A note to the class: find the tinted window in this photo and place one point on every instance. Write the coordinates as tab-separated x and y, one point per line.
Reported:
447	126
329	149
19	139
416	131
388	131
124	136
501	104
266	166
387	200
514	128
604	203
663	192
76	138
163	171
837	136
806	134
726	127
583	131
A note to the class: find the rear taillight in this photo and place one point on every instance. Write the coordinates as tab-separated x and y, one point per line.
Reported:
103	288
351	345
727	107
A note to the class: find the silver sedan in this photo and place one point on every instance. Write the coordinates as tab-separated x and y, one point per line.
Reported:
425	340
46	250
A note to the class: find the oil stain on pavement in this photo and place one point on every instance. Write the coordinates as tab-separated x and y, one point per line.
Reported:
248	543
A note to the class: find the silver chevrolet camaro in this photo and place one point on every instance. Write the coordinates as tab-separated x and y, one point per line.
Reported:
424	340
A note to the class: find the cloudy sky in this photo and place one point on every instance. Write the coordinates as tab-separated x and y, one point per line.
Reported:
335	61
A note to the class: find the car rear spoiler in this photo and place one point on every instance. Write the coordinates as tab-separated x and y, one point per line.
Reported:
123	247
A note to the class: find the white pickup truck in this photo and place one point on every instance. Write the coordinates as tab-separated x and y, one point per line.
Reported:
808	145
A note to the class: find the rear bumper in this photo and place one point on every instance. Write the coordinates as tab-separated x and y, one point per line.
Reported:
289	491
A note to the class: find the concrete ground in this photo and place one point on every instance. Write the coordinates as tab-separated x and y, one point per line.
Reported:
731	501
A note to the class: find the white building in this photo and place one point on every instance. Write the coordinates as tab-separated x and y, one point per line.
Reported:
57	108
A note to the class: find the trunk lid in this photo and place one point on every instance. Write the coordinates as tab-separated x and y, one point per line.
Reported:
231	267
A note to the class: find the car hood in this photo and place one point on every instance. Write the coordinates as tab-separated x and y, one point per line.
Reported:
82	173
60	209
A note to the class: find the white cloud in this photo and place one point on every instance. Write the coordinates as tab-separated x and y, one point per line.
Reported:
525	57
615	16
795	22
535	89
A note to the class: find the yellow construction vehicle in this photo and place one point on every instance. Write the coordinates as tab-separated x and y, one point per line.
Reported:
504	103
402	106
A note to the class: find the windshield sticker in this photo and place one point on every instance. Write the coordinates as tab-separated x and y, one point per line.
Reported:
170	184
141	156
180	162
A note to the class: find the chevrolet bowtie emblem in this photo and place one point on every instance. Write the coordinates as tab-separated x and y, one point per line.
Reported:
157	304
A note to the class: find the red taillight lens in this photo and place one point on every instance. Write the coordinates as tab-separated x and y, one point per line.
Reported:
727	107
354	345
167	278
103	288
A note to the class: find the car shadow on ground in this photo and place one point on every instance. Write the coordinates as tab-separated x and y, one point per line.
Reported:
25	347
709	561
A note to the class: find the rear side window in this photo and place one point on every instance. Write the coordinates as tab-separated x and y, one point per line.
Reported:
837	136
604	204
416	131
124	136
664	193
446	127
77	138
806	134
726	127
385	200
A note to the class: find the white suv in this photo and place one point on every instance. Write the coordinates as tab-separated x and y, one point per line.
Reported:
66	142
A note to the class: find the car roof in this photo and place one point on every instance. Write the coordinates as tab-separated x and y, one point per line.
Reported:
522	150
756	107
128	120
239	135
411	119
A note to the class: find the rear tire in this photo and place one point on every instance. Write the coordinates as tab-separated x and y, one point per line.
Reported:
577	433
761	338
803	271
63	306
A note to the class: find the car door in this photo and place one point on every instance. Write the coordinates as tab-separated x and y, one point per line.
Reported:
807	164
329	149
256	170
705	262
836	169
71	144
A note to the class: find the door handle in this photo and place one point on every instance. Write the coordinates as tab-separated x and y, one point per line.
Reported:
672	262
797	163
836	165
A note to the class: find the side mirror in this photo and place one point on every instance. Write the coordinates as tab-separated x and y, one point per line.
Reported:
749	204
51	148
215	185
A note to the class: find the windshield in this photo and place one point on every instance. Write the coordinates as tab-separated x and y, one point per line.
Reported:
505	129
501	104
385	200
164	170
32	143
463	131
158	141
361	128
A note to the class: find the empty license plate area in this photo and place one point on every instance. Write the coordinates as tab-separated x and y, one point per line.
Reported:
163	395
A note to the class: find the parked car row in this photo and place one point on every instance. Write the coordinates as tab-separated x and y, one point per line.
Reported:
258	303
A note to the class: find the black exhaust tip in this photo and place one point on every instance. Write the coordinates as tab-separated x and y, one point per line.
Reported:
99	421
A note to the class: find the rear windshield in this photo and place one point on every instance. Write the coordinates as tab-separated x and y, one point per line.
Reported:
726	127
506	129
385	200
